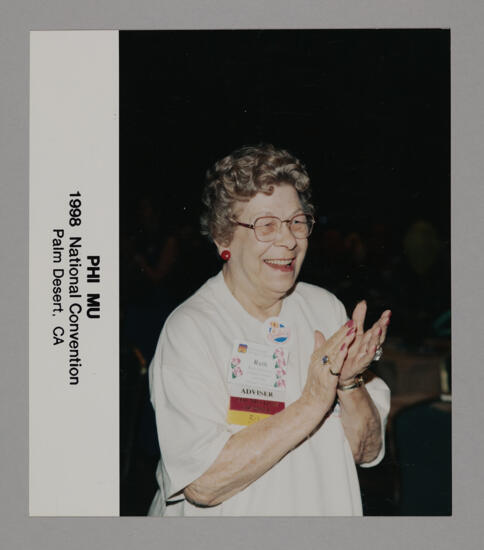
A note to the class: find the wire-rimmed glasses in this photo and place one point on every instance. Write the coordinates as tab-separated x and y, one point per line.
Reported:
266	228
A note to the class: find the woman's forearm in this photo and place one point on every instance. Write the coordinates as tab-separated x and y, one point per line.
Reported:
252	451
361	424
249	453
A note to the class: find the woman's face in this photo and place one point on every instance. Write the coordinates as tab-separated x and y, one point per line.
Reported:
265	270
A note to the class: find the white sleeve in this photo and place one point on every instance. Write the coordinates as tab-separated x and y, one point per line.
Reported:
380	394
189	398
339	311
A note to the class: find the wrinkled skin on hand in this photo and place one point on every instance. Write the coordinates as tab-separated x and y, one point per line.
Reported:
320	388
362	349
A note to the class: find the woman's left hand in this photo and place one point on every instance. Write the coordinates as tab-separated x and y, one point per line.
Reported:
365	344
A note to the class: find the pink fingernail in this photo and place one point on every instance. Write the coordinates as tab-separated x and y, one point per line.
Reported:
388	322
350	323
380	331
342	347
350	331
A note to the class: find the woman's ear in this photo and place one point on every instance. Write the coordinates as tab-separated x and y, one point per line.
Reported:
223	250
219	246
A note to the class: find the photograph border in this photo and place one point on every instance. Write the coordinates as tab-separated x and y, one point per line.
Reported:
464	528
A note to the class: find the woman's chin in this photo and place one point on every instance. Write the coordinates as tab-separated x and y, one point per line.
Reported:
282	286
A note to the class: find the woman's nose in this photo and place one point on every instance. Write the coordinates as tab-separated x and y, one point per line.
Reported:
285	237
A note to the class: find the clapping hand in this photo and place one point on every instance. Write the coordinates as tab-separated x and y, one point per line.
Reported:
365	344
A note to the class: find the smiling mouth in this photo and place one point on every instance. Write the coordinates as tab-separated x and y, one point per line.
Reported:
281	265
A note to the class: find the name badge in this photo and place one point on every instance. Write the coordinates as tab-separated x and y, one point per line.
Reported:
257	382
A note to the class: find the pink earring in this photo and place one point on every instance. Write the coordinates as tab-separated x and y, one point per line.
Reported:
225	255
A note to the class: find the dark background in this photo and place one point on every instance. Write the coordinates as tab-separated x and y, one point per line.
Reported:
368	112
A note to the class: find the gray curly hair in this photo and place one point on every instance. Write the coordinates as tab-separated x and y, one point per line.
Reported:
240	176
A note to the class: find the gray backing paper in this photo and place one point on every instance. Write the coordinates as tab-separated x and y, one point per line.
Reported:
464	528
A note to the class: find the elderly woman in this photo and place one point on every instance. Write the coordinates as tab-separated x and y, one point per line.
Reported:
257	383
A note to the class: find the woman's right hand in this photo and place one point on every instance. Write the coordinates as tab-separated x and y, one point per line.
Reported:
250	452
320	389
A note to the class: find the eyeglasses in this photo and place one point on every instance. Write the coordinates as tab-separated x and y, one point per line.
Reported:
267	228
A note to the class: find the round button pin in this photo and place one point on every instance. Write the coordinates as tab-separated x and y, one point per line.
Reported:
276	331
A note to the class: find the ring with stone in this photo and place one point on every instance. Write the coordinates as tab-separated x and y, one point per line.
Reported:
326	361
378	353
